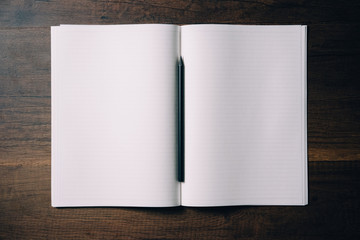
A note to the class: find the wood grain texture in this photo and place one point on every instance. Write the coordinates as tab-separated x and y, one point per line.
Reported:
42	13
333	124
333	212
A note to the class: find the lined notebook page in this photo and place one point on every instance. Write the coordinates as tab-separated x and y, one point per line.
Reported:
114	115
245	116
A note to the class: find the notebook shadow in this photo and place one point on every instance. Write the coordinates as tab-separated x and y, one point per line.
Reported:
172	210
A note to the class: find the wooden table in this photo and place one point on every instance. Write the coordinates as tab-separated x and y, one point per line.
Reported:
333	124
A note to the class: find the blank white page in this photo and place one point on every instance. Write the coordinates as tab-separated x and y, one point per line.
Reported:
245	115
114	115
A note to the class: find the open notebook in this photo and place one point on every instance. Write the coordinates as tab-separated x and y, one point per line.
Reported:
115	110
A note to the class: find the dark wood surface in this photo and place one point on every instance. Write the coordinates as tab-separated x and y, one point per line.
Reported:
333	124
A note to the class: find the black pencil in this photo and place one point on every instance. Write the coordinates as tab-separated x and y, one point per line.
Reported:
181	124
